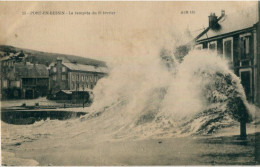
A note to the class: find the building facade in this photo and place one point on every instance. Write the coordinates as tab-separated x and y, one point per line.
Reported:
24	80
234	37
73	76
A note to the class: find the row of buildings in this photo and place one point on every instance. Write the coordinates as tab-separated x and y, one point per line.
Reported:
236	36
22	79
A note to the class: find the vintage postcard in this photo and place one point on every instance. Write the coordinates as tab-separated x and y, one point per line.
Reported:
134	83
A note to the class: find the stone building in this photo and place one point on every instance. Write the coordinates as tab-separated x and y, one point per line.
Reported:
25	80
73	76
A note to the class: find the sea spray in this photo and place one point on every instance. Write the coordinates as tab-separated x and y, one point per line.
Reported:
222	98
148	99
183	98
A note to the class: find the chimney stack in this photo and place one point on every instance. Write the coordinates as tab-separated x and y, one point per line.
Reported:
59	60
213	20
222	13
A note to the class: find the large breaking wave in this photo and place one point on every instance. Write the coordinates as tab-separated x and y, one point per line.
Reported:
153	97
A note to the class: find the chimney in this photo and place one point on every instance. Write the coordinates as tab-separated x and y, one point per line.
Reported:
59	60
213	20
222	13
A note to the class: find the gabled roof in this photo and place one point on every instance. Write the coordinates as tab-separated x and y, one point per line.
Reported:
86	68
233	22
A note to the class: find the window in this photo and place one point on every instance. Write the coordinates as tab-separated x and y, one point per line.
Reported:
212	46
5	84
63	69
29	81
54	69
198	47
245	41
18	84
63	77
54	77
15	84
228	48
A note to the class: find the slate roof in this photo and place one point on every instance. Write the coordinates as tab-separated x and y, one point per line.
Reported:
86	68
31	71
234	22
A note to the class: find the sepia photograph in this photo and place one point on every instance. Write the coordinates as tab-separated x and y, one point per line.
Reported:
130	83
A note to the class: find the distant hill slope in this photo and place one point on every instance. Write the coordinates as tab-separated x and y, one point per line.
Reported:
47	58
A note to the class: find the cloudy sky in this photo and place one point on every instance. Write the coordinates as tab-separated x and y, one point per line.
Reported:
135	28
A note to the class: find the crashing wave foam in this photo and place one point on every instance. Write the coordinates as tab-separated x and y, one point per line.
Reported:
198	96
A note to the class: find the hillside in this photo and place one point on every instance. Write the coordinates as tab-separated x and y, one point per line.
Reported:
46	58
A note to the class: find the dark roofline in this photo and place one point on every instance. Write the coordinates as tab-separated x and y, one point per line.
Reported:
226	34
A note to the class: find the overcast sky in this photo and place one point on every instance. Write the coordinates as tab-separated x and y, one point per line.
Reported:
134	26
